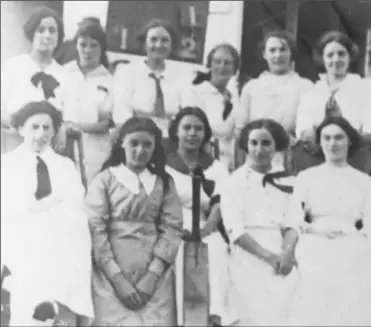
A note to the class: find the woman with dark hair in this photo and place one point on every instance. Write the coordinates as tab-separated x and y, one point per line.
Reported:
44	231
136	223
87	96
210	93
32	76
191	131
333	212
253	205
337	93
276	93
152	87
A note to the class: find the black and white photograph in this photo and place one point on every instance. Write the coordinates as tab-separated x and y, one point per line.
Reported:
186	163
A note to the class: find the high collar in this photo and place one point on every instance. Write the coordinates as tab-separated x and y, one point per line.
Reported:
47	154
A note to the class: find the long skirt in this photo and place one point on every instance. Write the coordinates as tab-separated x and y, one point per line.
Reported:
335	289
220	283
109	311
263	298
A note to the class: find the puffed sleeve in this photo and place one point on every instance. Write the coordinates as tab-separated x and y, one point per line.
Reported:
220	176
123	88
232	208
170	226
98	211
244	113
304	118
297	205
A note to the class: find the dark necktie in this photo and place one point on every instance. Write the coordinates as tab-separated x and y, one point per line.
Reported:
159	102
44	187
332	107
48	84
270	179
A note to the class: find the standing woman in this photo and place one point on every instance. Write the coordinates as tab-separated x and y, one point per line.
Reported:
276	93
45	233
190	131
87	96
210	93
150	88
136	222
254	203
333	203
32	76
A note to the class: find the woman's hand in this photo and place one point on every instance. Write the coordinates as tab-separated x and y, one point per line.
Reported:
273	260
60	140
147	285
286	261
187	235
126	292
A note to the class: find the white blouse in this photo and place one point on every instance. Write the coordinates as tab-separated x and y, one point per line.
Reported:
274	96
17	88
211	101
246	203
334	197
350	97
135	93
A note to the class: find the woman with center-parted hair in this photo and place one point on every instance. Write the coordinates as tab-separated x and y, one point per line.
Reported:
337	93
87	96
210	93
136	224
190	131
332	203
276	93
254	203
32	76
45	234
152	87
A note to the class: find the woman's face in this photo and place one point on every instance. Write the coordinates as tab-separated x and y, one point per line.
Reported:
158	43
336	59
46	35
191	132
139	147
277	54
89	51
334	143
38	132
222	65
261	147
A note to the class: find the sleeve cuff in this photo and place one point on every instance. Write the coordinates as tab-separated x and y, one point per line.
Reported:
166	250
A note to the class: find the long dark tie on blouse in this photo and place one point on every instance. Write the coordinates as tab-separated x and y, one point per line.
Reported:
159	101
44	187
332	107
48	84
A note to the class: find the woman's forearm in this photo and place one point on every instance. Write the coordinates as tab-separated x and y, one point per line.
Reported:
290	239
96	128
250	245
212	221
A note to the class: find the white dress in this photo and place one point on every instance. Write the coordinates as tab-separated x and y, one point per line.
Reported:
350	96
88	99
49	251
18	90
211	101
264	299
219	278
335	289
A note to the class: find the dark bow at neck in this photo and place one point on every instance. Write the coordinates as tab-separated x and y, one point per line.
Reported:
48	83
270	178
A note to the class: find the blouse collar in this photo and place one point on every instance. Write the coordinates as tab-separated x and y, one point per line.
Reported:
99	71
175	161
132	180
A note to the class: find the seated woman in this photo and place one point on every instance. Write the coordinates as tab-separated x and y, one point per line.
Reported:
190	131
136	222
333	202
253	205
45	231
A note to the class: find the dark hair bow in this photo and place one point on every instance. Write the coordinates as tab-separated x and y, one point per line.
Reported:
48	84
102	88
270	179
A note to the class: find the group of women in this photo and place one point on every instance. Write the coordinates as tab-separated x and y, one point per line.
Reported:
283	250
